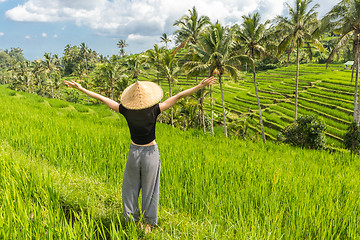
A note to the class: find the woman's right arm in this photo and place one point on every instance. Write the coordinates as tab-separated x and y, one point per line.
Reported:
171	101
109	102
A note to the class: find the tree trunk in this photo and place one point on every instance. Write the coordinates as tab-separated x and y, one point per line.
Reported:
171	109
52	88
356	63
112	89
297	80
212	109
28	83
86	66
202	113
158	76
258	102
223	106
184	123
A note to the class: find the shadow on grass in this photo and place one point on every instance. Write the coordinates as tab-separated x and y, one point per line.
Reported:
102	227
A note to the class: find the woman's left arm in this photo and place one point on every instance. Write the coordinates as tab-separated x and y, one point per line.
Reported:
171	101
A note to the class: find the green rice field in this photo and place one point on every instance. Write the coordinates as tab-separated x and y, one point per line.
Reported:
62	166
326	92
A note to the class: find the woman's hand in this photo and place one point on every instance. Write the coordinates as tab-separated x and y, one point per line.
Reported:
207	81
109	102
171	101
73	84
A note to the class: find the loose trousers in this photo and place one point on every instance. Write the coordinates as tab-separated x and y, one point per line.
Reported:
142	171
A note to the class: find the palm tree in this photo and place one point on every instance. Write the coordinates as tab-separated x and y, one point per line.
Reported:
153	57
20	74
200	97
106	75
36	72
190	28
344	17
165	39
134	66
215	51
122	45
299	29
51	68
252	36
169	69
84	52
192	66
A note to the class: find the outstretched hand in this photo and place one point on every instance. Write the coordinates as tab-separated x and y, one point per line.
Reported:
72	84
207	81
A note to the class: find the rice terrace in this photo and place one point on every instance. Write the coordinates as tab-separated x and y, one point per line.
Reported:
232	164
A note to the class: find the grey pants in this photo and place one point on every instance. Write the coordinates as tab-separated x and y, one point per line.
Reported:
142	171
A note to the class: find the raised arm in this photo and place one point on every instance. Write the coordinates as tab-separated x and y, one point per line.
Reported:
171	101
109	102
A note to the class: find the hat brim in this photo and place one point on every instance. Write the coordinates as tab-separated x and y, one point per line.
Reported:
141	95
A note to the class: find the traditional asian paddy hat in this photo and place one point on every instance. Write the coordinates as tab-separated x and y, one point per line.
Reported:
141	95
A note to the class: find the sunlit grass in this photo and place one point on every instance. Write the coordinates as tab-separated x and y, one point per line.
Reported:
60	160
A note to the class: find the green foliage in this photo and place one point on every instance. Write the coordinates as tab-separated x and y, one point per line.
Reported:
352	138
267	64
7	57
306	132
239	128
61	173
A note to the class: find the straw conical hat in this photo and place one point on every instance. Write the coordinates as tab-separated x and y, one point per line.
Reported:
141	95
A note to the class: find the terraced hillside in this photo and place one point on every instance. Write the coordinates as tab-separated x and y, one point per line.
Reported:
324	92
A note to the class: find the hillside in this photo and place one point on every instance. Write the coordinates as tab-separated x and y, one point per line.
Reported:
62	167
324	92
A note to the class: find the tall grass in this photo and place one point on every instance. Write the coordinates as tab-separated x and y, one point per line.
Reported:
211	187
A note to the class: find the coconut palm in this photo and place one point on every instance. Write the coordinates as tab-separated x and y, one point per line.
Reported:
153	57
299	29
192	66
200	97
215	51
122	45
21	80
134	66
51	69
106	75
165	39
85	52
190	28
36	72
169	69
252	36
344	17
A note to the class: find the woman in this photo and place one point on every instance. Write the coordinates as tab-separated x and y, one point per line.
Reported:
140	106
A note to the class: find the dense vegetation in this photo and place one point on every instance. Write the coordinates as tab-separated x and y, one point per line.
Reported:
62	166
236	53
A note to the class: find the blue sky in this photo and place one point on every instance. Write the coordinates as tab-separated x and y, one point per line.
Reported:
39	26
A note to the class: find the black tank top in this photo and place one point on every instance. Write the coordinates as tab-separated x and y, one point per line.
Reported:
141	123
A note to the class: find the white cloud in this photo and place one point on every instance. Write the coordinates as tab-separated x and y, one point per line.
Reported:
1	1
44	35
142	21
27	37
55	36
2	34
147	17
